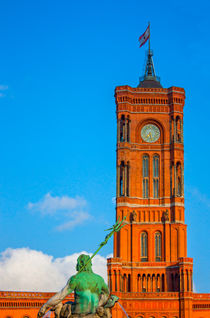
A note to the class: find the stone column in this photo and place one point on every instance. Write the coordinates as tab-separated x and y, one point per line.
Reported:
148	284
165	282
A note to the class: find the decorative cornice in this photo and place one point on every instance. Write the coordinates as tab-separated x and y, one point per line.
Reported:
165	205
165	91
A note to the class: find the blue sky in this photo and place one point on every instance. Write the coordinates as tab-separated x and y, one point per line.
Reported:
59	64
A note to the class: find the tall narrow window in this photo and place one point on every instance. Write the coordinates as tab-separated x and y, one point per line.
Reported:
156	176
145	176
158	251
122	129
127	179
179	179
122	176
178	129
179	187
144	247
128	129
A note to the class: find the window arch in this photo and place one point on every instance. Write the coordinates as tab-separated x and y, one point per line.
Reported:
156	174
145	168
144	246
158	246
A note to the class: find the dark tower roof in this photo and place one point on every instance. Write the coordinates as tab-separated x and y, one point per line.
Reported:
150	79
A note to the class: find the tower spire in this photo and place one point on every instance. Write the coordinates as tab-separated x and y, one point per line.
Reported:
150	69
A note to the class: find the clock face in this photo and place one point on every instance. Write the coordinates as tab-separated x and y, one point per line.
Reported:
150	133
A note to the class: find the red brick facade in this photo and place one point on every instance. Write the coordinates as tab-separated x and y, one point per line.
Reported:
150	270
23	304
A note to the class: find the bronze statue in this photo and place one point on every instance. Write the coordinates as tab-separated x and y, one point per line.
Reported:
91	294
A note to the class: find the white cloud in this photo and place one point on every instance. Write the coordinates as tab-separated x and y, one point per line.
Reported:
76	219
24	269
71	211
51	205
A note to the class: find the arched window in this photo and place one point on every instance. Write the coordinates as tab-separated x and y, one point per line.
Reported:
179	177
122	129
127	178
156	176
145	176
115	279
158	250
122	171
144	247
178	129
125	283
129	283
179	187
123	179
143	288
128	129
138	283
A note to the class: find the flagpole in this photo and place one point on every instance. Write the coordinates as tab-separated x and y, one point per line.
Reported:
149	35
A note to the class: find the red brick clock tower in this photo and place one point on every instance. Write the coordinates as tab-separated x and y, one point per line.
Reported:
150	270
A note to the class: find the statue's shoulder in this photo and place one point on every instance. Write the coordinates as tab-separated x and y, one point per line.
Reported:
72	280
99	278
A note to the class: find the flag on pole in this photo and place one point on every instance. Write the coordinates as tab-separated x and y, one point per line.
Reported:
144	37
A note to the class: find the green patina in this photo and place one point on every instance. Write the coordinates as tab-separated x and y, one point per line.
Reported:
88	286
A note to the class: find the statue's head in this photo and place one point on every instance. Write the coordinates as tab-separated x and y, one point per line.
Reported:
81	261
